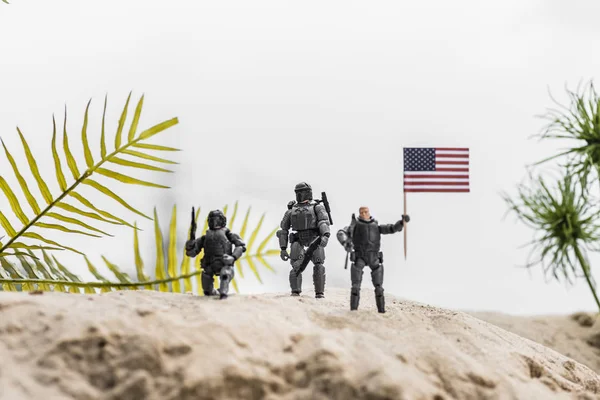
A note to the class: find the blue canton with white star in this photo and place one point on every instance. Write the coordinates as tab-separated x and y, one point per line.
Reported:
419	159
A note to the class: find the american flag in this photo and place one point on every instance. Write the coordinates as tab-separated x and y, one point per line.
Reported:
436	169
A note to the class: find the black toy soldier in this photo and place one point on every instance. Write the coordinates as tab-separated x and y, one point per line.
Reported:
218	255
363	240
310	220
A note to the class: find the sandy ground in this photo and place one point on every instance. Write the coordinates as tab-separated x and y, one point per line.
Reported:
576	336
151	345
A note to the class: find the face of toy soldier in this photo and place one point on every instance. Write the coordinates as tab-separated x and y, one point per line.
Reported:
364	213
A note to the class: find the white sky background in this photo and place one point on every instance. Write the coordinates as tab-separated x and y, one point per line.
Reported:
271	93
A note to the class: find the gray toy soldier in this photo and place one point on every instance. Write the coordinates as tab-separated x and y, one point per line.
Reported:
310	219
218	255
362	239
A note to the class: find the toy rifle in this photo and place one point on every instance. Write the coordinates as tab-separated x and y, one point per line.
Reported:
346	264
193	227
326	204
308	254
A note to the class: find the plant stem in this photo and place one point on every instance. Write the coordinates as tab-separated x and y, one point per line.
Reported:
586	272
99	284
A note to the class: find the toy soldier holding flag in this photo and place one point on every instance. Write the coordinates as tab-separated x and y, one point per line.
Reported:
362	240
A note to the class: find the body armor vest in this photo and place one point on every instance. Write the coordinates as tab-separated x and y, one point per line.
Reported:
304	217
216	243
366	236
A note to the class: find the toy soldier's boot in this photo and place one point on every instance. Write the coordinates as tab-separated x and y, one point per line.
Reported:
379	299
226	277
377	277
295	282
354	298
356	274
319	280
208	284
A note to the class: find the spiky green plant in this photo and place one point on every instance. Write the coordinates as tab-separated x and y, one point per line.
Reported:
579	122
56	213
565	229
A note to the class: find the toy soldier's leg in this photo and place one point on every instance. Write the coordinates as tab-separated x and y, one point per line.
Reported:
377	278
318	260
208	281
296	257
226	276
356	274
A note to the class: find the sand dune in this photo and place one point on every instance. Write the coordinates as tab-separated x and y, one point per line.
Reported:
576	336
150	345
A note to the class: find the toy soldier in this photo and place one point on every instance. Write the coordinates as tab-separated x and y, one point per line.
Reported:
218	256
364	236
310	220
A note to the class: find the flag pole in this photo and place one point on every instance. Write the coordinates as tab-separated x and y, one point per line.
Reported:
405	225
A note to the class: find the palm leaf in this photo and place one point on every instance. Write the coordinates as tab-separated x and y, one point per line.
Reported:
139	263
172	253
71	216
59	277
160	253
121	276
96	274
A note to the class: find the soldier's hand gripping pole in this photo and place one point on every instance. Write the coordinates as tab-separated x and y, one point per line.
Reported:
193	227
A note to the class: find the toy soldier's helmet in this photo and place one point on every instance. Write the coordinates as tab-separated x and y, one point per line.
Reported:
216	219
303	192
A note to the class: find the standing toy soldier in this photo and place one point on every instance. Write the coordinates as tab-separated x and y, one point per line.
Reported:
364	236
310	219
218	256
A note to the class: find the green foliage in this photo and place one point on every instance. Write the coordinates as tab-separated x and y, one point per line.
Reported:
53	212
580	122
173	267
564	220
55	276
45	271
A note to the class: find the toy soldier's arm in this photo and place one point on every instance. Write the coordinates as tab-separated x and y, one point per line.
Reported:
240	246
282	234
345	238
193	247
322	223
393	228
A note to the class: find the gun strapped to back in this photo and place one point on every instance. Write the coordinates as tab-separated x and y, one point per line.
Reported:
326	204
193	227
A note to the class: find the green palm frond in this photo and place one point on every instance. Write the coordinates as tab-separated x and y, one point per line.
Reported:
170	270
564	222
50	274
54	212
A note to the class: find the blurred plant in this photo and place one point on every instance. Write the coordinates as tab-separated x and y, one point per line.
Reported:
57	276
564	222
25	238
580	121
166	270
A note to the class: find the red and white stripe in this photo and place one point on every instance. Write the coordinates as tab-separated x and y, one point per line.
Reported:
451	173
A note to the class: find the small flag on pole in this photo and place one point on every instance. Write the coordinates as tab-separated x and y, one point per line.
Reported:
435	170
